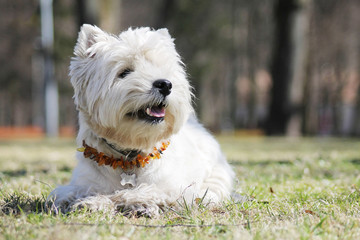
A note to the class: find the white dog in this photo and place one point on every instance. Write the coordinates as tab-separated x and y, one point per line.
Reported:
142	148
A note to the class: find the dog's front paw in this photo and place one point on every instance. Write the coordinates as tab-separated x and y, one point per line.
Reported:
59	203
93	203
139	210
56	207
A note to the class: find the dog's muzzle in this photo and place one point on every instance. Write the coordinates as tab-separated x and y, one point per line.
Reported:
155	113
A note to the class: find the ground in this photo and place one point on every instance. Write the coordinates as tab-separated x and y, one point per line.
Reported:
307	188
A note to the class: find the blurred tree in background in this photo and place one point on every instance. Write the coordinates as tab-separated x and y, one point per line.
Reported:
281	66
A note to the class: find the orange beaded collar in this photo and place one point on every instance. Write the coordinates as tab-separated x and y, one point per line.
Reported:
122	162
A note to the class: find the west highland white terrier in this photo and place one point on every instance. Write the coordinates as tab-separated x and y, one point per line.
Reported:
141	148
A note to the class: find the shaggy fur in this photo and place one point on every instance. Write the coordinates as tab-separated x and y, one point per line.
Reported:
113	79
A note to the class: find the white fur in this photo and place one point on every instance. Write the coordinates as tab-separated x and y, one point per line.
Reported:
192	165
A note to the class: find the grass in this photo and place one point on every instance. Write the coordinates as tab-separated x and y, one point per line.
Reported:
297	189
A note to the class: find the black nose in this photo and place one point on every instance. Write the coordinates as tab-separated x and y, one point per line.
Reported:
164	86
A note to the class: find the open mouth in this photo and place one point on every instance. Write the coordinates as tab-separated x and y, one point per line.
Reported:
153	114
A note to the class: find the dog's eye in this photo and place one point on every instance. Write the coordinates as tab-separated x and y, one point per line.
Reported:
125	72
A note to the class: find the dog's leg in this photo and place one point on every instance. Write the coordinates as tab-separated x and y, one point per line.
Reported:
94	203
218	185
70	197
63	197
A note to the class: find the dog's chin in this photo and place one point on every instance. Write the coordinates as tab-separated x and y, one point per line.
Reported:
150	114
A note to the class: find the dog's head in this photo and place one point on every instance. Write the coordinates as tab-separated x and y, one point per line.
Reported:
132	88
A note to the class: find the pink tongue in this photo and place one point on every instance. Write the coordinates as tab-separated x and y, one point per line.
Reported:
157	112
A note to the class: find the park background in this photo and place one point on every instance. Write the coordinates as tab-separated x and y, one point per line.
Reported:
262	69
258	67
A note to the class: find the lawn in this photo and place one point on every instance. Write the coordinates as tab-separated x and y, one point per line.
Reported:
305	188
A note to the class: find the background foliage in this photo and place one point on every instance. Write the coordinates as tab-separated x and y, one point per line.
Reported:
248	70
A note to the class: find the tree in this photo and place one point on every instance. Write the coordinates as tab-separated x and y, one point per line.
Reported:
288	67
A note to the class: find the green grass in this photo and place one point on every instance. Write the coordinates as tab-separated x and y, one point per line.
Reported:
297	189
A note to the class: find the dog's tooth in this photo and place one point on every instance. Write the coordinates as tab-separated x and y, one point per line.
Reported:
148	111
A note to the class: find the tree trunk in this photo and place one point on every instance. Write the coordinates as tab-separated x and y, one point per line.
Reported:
281	68
299	68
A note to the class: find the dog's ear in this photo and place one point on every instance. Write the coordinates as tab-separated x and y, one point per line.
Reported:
88	36
164	32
